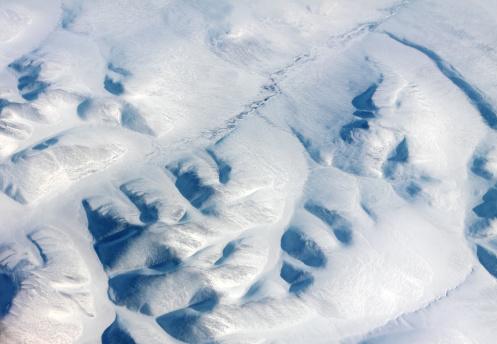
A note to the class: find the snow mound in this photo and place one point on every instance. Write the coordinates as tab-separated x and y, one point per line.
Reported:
51	166
48	298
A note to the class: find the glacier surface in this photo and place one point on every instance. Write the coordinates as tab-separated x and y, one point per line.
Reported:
250	171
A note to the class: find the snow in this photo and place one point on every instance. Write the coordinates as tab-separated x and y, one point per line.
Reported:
301	171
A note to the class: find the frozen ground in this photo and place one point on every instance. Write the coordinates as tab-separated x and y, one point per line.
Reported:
252	171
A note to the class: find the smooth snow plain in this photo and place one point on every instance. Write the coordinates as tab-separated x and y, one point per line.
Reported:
250	171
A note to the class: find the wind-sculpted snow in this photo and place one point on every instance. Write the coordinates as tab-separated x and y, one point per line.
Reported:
224	171
474	95
302	248
488	259
299	280
41	292
116	334
340	226
28	74
50	166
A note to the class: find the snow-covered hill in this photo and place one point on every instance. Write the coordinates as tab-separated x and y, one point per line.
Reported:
250	171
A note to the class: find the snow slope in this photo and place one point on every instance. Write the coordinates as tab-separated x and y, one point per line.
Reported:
215	171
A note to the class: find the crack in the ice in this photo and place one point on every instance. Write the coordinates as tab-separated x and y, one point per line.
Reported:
270	90
368	27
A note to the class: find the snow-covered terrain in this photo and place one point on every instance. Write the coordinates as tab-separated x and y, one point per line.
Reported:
248	171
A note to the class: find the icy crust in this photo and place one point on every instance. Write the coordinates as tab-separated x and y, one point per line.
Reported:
51	297
52	165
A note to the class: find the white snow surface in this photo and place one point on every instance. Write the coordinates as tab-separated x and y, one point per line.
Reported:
249	171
